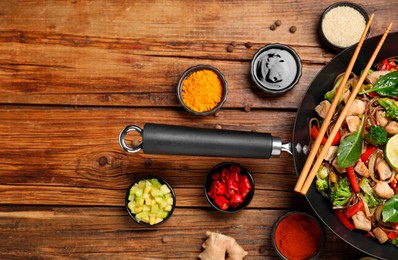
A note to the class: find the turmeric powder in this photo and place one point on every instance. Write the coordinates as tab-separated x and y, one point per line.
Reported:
202	90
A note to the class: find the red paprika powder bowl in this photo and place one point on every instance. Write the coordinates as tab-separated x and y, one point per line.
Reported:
298	235
229	187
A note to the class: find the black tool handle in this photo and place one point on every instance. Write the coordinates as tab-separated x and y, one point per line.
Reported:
182	140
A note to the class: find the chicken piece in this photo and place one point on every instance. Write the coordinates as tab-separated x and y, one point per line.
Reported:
384	170
353	123
374	76
331	153
381	118
323	108
361	221
336	166
346	96
392	128
357	108
380	235
383	190
361	169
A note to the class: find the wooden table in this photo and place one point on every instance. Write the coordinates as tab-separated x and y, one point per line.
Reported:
73	74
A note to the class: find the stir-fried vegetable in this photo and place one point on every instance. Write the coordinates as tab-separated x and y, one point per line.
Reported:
357	175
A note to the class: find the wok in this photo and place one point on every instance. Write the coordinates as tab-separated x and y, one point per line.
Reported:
168	139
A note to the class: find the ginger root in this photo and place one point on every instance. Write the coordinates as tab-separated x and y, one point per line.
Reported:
218	244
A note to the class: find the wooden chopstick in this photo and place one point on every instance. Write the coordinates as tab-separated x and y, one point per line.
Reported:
343	114
329	115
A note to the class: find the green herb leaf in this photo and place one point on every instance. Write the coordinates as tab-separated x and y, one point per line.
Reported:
387	85
350	148
390	210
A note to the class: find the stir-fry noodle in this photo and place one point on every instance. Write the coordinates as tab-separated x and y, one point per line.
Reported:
360	171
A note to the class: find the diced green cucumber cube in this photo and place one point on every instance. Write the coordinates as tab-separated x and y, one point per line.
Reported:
158	220
164	214
164	189
142	215
155	183
159	200
146	208
155	208
167	208
155	192
140	200
170	201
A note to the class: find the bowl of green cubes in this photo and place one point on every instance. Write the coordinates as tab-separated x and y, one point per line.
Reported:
150	200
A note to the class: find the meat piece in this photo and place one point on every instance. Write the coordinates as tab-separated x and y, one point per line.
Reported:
383	190
374	76
336	166
331	153
323	108
361	169
384	170
346	96
353	123
392	128
357	108
380	235
361	221
381	118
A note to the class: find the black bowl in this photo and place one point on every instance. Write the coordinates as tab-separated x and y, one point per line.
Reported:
162	181
308	220
217	169
324	40
276	68
193	69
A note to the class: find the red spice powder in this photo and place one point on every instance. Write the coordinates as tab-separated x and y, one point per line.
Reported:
298	237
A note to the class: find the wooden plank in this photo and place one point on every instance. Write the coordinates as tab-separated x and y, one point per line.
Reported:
71	156
110	233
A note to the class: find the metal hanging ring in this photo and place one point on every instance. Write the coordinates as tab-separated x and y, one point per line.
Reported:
122	136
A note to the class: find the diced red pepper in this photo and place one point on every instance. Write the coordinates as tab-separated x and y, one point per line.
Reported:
217	188
224	175
354	209
315	132
344	220
244	186
233	187
369	151
234	176
393	184
392	235
372	94
221	202
216	176
395	226
236	200
234	168
353	179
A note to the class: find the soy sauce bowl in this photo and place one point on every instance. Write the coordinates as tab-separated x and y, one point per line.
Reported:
209	179
161	181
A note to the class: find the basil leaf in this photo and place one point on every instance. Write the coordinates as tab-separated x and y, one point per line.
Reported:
390	210
350	148
386	85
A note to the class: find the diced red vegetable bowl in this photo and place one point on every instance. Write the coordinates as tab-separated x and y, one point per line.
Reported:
229	187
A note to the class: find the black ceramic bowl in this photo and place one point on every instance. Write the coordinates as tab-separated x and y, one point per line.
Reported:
294	226
196	68
324	39
162	181
217	169
276	68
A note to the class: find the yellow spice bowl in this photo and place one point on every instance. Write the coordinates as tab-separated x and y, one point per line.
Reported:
207	90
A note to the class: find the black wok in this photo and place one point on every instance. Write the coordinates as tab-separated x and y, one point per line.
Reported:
167	139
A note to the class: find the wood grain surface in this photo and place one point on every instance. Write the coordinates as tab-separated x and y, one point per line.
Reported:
73	74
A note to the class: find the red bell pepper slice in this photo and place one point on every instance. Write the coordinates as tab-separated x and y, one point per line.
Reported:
234	176
354	209
393	183
392	235
221	202
369	151
236	200
234	169
315	132
344	220
387	65
353	179
395	226
244	186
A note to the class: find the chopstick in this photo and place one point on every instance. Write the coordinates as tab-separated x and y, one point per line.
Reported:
329	115
343	114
